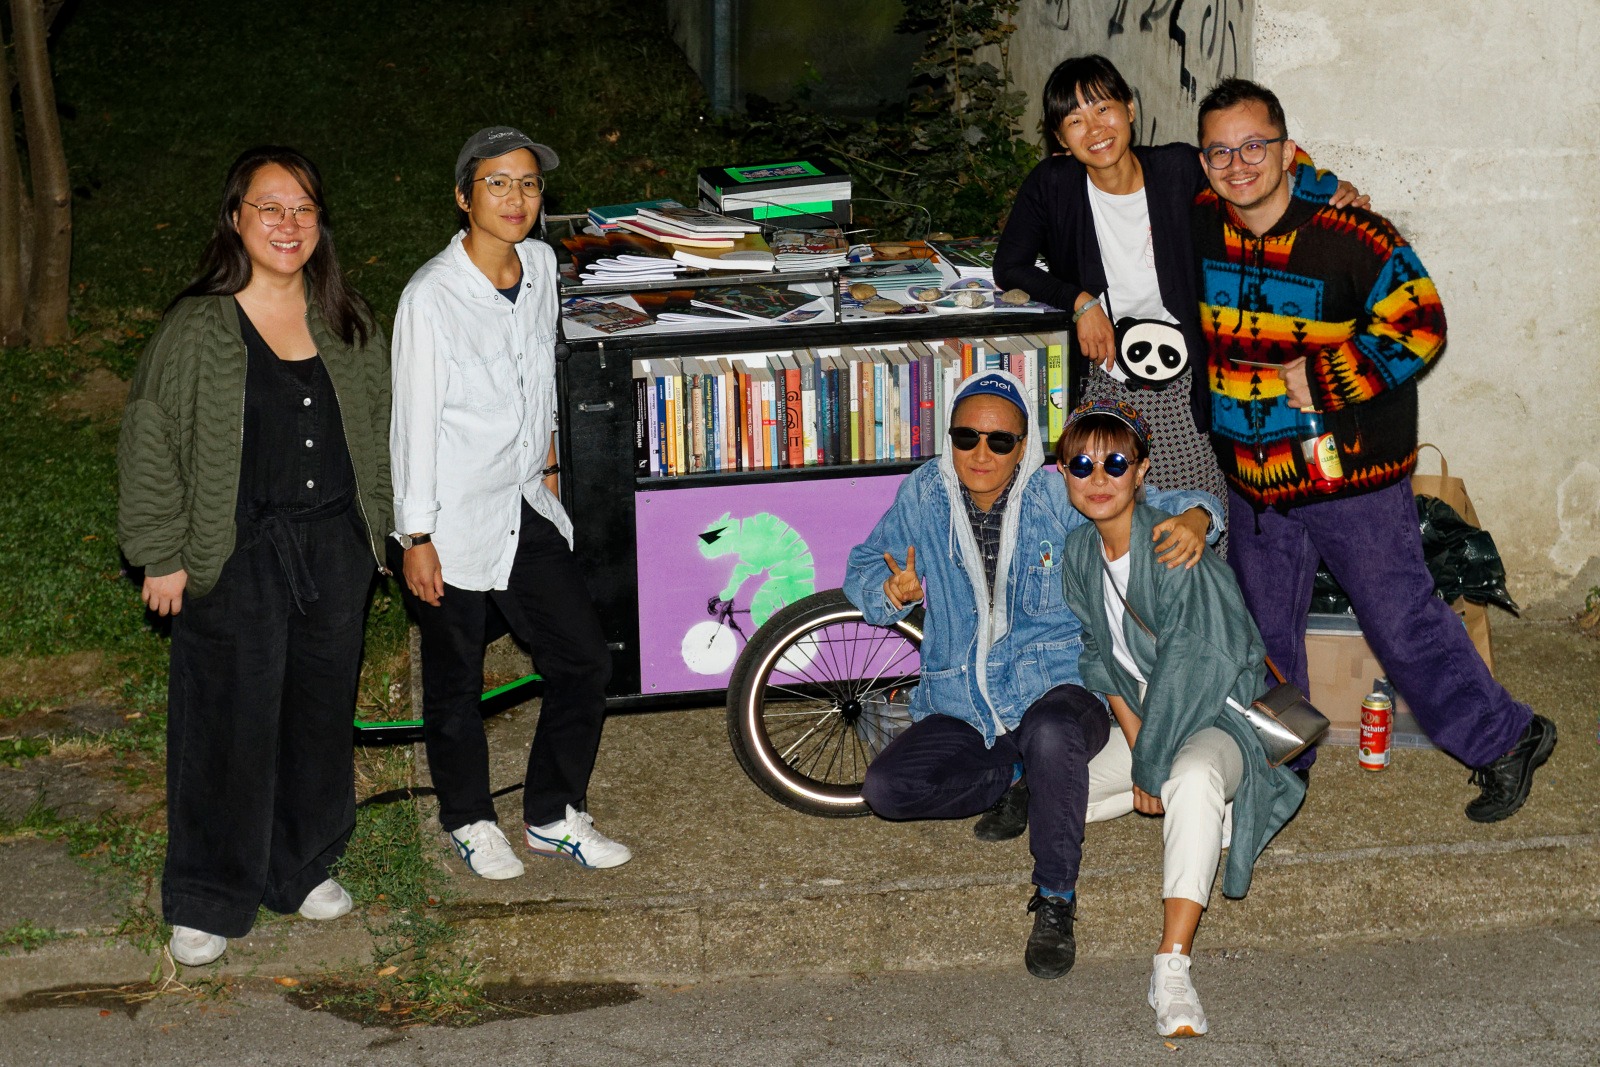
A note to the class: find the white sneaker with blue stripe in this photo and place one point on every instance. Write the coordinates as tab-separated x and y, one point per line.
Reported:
485	850
576	839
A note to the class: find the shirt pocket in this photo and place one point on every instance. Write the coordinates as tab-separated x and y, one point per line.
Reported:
487	379
1042	593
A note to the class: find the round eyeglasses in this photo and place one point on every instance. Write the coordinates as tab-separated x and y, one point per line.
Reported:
500	184
1251	152
272	215
1115	465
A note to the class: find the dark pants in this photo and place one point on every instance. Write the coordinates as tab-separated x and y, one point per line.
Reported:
260	704
547	607
938	768
1372	545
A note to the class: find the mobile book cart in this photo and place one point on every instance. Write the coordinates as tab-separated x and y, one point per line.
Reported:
722	585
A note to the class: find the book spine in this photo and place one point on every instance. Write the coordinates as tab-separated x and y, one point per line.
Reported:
840	395
810	454
869	411
674	426
855	411
641	423
925	412
1058	390
697	421
794	417
914	405
713	422
780	418
652	415
771	397
825	404
905	410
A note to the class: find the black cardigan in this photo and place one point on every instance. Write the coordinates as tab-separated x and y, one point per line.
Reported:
1052	216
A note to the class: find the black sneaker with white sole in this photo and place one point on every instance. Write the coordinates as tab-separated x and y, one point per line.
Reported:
1505	783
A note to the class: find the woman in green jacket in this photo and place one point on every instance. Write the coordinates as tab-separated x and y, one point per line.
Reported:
1169	649
254	492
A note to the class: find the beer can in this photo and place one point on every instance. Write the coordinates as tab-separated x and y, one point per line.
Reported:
1377	731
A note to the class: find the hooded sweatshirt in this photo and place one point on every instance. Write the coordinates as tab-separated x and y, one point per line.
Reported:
1340	287
986	658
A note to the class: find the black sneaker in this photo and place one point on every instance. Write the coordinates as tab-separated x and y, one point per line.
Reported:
1051	946
1009	816
1506	781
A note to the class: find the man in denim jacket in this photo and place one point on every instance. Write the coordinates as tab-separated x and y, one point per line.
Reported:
1002	721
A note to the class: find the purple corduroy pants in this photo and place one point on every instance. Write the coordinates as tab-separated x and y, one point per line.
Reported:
1373	547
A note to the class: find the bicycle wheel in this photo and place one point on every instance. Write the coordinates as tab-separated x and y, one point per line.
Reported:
816	694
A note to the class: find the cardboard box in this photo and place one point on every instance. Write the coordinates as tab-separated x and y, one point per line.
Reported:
1343	671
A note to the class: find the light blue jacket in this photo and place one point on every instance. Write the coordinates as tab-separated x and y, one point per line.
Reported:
985	663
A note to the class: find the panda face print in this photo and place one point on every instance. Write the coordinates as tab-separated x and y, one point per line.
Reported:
1150	353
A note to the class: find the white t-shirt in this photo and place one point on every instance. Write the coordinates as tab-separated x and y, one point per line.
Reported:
1128	254
1115	582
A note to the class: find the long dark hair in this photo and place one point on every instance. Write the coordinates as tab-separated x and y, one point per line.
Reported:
225	265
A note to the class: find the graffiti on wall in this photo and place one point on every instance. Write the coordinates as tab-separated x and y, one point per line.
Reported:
1205	37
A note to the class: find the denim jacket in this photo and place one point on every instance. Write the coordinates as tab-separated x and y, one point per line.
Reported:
986	662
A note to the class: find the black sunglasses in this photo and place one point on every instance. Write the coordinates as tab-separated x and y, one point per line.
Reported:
965	438
1116	465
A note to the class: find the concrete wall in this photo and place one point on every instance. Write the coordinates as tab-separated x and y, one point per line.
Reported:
1170	51
1476	129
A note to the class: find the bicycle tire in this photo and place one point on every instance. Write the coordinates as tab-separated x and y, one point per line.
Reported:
816	693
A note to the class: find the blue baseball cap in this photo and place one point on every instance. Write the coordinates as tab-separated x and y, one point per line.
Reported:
993	385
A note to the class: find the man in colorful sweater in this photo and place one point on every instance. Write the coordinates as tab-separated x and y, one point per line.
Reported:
1315	314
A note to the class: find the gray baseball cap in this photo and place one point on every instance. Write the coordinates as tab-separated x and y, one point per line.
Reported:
494	141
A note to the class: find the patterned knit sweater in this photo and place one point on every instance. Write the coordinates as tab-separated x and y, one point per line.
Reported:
1340	287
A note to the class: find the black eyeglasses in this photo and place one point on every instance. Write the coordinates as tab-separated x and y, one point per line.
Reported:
1251	152
965	438
1116	465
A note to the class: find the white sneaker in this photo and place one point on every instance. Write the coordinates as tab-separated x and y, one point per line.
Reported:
485	850
195	948
576	838
1172	995
328	901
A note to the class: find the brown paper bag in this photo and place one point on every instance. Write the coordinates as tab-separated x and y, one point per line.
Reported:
1453	491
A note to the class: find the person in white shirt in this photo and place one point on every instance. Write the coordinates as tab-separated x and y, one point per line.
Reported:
487	545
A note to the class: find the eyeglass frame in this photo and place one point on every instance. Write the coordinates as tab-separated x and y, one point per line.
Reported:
1205	153
1072	466
287	213
988	437
537	179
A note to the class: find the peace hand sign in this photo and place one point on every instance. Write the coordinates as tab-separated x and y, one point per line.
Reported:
902	587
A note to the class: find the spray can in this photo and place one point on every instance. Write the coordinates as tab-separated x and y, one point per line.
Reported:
1377	731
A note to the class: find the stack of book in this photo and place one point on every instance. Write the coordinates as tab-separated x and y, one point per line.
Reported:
806	193
824	406
608	218
969	257
683	226
620	258
809	249
893	275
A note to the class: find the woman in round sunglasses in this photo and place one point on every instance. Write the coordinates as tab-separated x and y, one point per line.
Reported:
1168	648
254	493
1111	219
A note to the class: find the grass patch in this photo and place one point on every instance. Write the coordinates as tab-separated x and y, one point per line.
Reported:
13	750
128	853
422	973
27	936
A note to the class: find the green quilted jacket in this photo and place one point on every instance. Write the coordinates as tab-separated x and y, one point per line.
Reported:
182	439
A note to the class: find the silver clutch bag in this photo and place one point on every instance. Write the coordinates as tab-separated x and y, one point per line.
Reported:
1285	722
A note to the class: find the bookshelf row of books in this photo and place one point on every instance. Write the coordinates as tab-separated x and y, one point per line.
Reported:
811	407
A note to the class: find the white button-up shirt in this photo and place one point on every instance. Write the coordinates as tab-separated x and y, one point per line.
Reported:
474	410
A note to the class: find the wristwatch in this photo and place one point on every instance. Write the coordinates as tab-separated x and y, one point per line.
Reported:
410	541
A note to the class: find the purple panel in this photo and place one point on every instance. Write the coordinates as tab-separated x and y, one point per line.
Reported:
763	546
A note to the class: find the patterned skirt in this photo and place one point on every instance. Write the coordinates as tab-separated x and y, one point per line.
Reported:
1180	456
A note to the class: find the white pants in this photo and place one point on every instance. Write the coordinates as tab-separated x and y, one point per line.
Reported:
1205	775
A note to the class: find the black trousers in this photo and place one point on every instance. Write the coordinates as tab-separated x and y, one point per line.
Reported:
938	768
548	608
260	703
